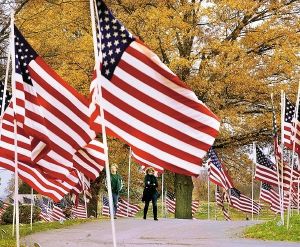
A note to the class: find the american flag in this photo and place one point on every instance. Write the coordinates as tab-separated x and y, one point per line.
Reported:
79	211
289	112
171	203
287	176
46	212
7	97
220	202
52	113
270	195
122	208
57	213
277	148
217	173
31	173
146	105
239	201
145	164
3	207
296	131
265	169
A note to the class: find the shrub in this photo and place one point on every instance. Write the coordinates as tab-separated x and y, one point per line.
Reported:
25	210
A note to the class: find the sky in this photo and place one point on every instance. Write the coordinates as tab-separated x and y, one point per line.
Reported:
5	176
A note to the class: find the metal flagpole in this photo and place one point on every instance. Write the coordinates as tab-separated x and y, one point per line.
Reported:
277	167
13	83
162	195
208	206
216	202
97	62
293	160
128	184
84	194
252	184
282	150
298	193
31	209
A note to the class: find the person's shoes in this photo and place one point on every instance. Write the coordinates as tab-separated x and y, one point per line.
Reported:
155	219
144	217
115	217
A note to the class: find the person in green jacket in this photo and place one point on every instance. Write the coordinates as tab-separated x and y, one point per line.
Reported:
116	186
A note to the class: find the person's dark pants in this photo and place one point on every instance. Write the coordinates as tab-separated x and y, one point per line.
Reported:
115	202
154	205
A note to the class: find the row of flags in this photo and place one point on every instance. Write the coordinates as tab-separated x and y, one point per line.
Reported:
220	177
123	207
144	103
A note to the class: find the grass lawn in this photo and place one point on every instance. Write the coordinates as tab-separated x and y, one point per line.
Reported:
6	239
272	231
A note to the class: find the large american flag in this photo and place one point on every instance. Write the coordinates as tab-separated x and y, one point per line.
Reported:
145	163
146	105
171	203
52	113
122	208
217	172
265	169
220	202
289	112
239	201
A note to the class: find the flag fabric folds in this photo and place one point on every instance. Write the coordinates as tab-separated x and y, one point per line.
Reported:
289	112
146	105
145	164
217	172
79	211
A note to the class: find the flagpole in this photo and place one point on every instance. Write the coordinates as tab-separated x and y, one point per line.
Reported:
293	160
31	209
216	203
162	195
128	182
282	150
84	194
252	184
277	161
208	187
13	83
298	196
97	64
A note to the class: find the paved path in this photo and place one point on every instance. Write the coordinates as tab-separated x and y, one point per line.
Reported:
149	233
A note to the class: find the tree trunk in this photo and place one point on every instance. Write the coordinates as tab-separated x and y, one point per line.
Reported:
183	193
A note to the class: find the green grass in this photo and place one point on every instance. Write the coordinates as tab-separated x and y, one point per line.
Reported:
271	230
6	239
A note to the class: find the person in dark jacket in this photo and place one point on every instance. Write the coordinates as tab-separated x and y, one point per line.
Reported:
150	192
116	186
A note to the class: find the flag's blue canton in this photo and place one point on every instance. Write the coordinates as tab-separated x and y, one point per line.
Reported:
114	40
214	158
171	195
235	192
266	186
263	160
24	55
105	201
7	97
289	111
